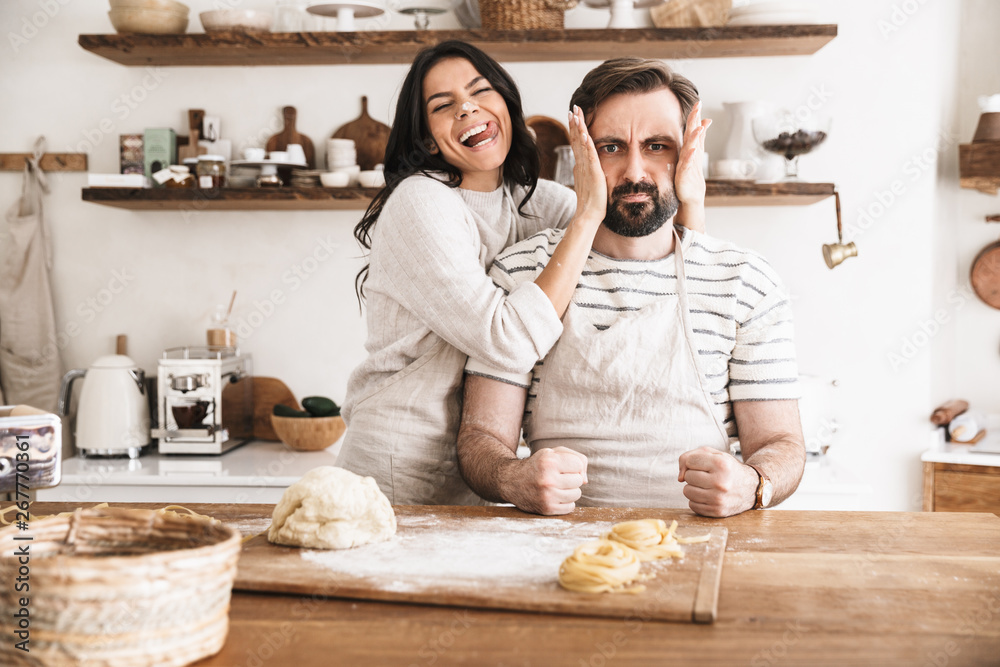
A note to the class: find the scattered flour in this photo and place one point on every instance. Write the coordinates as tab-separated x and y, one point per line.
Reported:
426	553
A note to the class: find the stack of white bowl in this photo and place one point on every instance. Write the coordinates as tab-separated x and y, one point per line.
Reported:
342	158
149	16
773	12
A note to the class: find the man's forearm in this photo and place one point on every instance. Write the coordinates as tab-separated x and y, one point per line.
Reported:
782	459
483	461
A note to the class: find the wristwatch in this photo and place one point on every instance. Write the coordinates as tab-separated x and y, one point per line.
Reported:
765	490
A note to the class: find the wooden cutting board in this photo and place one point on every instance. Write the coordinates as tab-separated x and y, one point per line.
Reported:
985	275
268	392
370	137
289	135
489	562
549	133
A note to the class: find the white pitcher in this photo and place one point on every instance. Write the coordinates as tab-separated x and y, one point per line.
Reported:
741	145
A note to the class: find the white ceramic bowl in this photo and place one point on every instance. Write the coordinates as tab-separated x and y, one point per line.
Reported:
245	20
158	5
148	21
352	172
371	179
335	179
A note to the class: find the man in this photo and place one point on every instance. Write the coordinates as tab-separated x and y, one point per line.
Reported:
673	345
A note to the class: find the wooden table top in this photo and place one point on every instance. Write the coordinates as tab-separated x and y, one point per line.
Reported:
823	588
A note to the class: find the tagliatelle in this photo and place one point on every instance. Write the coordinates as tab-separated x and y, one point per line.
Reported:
652	539
612	563
599	566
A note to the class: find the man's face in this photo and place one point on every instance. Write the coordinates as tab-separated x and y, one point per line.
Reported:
638	138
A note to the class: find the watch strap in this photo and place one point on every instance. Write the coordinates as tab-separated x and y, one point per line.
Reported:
762	479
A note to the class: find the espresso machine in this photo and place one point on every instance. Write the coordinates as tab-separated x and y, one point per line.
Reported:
204	400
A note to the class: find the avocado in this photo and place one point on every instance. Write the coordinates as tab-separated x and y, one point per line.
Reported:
320	406
285	411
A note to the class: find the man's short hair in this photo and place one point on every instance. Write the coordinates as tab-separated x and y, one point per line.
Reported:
632	76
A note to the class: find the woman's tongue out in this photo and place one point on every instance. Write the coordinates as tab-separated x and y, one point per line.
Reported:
482	137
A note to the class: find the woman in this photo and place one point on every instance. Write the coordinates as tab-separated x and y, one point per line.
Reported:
461	185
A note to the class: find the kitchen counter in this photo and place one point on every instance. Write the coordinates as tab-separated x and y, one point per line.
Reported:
257	472
824	588
952	452
260	471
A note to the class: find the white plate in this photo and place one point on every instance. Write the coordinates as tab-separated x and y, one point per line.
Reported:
261	163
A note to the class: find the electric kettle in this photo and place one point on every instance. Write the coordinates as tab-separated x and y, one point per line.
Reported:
112	418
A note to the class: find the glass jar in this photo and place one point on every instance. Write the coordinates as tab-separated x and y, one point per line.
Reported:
211	171
180	177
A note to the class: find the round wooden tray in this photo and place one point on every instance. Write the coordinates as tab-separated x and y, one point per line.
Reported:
985	275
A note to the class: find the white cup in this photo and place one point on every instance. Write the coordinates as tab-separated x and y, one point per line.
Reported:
734	169
279	156
255	154
296	153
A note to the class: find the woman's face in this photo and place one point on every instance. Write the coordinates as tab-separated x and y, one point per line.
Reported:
469	122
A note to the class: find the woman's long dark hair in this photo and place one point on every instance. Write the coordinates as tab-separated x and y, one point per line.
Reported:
407	153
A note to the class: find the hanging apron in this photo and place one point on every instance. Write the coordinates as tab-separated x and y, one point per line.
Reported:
403	432
29	358
630	398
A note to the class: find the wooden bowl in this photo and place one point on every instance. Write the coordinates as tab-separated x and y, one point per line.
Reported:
308	434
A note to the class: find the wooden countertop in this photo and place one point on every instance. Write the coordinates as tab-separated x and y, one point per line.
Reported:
830	588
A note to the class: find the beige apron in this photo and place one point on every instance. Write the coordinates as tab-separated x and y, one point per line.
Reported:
29	360
402	433
631	398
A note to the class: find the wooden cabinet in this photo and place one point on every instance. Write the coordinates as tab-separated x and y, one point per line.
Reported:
953	487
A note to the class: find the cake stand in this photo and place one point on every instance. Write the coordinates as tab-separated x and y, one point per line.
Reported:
621	10
346	12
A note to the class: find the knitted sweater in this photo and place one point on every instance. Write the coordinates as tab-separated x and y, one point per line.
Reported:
431	250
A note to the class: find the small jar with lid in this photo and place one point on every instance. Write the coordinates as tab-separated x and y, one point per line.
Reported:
180	177
211	171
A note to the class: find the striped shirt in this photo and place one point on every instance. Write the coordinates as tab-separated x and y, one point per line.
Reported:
740	311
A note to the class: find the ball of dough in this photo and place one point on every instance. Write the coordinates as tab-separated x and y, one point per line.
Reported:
332	508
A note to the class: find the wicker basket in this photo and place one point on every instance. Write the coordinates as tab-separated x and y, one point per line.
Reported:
119	588
524	14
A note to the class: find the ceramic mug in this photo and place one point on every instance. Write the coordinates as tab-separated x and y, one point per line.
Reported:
296	153
279	156
735	169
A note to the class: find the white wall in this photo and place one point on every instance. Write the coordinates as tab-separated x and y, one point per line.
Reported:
891	93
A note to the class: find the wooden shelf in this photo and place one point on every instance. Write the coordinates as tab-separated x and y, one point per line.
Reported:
333	48
979	166
719	193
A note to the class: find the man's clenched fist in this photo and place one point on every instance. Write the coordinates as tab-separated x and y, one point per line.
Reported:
716	483
548	482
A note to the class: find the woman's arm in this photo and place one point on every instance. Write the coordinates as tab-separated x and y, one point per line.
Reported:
425	260
689	179
559	278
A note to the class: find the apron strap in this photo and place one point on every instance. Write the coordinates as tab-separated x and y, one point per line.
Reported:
682	287
35	184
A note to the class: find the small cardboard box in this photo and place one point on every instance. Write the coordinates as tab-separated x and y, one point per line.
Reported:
132	161
159	150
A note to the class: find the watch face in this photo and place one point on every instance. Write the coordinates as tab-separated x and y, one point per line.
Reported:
766	493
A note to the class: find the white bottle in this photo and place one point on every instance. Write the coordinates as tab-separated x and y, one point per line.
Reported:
966	426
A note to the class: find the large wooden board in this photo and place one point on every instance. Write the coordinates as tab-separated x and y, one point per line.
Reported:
487	562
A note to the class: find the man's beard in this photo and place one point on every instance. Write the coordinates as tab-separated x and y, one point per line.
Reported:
640	218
